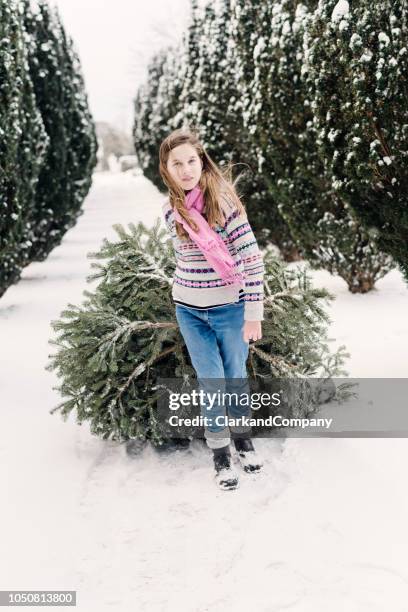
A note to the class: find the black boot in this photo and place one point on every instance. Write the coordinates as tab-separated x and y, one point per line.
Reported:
225	475
248	456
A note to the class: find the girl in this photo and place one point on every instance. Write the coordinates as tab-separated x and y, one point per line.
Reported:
217	288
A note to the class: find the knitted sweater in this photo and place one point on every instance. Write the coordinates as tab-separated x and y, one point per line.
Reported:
196	283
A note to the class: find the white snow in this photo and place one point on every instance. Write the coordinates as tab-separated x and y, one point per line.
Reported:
259	47
355	41
343	25
384	38
366	56
323	527
331	136
286	27
340	11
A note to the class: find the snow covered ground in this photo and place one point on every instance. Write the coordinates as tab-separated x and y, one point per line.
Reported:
322	528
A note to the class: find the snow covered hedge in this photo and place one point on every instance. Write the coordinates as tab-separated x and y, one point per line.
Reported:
48	142
272	42
196	85
356	72
311	96
23	144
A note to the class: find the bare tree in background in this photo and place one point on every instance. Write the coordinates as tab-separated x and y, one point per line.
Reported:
112	142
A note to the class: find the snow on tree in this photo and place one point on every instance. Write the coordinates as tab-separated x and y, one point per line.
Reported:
356	69
269	43
66	171
211	100
82	145
194	86
156	107
23	143
48	148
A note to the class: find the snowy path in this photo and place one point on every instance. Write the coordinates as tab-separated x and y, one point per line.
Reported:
323	528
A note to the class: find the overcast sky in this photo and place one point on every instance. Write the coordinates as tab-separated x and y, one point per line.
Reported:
115	39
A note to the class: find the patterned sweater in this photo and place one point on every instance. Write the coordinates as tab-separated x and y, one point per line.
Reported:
196	283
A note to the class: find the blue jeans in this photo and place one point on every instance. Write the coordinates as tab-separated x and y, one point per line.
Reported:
217	350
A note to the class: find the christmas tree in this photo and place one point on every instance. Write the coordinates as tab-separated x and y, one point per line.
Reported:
112	349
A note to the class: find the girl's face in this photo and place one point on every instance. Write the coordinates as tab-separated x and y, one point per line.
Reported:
184	166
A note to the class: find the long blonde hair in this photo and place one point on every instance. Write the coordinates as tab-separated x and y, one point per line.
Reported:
215	183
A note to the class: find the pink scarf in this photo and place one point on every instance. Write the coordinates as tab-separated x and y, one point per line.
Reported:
209	242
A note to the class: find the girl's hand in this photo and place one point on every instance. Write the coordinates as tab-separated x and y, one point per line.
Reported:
252	330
